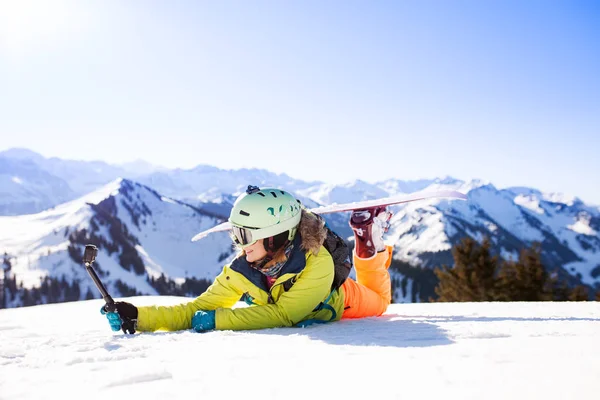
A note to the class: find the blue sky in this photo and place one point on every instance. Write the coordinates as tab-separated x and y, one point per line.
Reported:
505	91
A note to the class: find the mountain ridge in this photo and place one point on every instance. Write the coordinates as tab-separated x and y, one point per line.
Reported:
422	232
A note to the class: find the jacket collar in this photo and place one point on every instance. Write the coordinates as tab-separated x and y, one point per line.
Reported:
294	265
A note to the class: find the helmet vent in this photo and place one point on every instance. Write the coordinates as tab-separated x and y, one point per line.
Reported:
244	213
274	194
261	194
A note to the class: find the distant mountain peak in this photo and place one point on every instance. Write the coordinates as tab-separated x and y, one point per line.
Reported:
447	180
549	197
567	199
141	167
19	153
204	168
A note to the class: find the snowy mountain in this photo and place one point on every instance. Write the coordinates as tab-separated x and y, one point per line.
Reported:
462	351
199	186
139	168
344	193
143	240
26	188
422	232
82	176
206	184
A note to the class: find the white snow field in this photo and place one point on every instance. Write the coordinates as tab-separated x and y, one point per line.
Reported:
415	351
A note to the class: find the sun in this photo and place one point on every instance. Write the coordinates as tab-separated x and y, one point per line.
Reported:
27	23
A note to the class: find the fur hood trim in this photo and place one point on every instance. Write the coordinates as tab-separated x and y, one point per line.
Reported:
313	232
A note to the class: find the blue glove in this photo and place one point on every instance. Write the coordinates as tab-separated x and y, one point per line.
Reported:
203	321
113	319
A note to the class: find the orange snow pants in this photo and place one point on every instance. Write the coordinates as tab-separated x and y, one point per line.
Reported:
371	293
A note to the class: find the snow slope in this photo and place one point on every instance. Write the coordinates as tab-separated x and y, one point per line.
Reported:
415	351
120	218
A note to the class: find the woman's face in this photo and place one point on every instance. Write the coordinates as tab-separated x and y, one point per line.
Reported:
256	251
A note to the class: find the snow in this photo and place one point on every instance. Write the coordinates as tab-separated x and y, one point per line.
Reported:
31	238
567	199
37	243
25	188
32	183
395	186
585	268
427	235
194	183
66	214
509	255
343	193
582	226
165	238
425	351
530	203
402	296
490	226
418	228
167	200
500	206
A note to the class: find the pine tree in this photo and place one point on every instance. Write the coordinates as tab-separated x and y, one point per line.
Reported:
473	277
89	295
2	290
26	298
527	278
6	263
561	290
598	295
4	278
579	293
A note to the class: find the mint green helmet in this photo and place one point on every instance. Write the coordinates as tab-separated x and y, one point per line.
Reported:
263	213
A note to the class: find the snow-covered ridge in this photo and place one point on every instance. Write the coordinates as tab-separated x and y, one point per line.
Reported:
422	232
141	236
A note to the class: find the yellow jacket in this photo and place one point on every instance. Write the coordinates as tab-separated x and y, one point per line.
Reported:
296	296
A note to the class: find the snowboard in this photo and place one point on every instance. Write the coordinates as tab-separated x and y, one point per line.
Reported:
358	205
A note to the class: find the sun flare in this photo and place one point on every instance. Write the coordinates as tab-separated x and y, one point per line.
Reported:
25	23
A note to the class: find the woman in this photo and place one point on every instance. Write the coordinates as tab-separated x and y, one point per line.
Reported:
283	271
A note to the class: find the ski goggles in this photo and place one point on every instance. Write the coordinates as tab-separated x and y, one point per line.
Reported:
245	236
242	236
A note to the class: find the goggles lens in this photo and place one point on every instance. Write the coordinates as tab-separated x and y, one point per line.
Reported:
242	236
